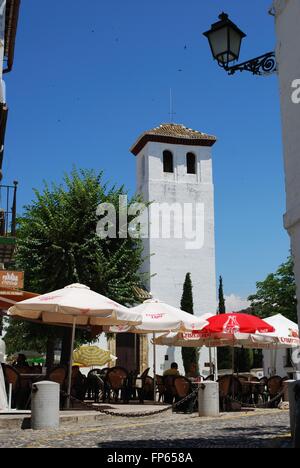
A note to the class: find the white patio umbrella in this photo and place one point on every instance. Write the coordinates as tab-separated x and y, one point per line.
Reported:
285	336
159	317
75	305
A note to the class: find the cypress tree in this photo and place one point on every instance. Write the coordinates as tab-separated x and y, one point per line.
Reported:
224	354
222	305
189	355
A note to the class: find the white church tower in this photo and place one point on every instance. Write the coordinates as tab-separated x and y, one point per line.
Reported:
174	173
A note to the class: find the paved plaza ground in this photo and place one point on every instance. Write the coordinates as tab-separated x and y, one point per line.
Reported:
259	429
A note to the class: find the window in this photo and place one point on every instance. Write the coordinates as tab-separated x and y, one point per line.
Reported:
168	162
191	163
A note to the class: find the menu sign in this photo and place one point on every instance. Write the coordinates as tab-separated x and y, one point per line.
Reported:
12	279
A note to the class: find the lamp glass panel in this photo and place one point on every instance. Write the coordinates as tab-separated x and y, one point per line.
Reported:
235	43
219	42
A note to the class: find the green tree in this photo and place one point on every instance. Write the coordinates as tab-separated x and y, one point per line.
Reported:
277	294
189	355
222	304
224	354
58	245
243	360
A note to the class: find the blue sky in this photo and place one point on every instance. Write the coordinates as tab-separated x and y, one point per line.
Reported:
90	76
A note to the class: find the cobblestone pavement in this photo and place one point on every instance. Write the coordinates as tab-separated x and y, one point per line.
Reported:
253	430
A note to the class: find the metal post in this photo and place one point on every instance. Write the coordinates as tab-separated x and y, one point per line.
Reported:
154	368
71	364
210	361
10	397
14	211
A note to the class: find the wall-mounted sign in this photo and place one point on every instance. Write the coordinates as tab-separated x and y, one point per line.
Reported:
12	279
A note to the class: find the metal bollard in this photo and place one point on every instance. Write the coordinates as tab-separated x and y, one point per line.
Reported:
45	405
208	399
297	415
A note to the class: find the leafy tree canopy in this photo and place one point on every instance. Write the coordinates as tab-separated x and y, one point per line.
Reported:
58	245
277	294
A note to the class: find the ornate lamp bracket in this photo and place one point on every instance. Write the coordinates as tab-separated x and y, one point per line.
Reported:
264	65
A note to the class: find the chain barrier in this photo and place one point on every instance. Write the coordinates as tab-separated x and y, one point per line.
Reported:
258	406
194	394
91	406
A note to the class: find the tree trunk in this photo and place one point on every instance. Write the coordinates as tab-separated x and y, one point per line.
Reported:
65	348
50	353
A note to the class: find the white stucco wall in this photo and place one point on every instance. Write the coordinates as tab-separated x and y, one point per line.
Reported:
287	18
169	260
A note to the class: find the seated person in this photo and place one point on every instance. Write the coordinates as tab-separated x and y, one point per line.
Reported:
21	361
173	371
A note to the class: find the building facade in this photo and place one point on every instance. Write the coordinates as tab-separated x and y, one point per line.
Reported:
175	176
287	19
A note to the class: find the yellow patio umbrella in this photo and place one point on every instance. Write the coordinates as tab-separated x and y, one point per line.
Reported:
89	356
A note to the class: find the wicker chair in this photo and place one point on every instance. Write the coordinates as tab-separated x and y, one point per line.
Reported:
170	391
255	390
140	386
275	386
117	381
95	385
78	384
12	377
58	375
160	387
229	388
263	389
183	388
210	378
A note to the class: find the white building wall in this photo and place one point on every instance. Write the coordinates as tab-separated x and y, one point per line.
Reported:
287	15
169	260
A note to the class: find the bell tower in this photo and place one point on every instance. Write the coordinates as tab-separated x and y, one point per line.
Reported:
174	174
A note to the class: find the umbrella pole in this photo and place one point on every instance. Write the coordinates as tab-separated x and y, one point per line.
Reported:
154	368
210	360
275	359
71	365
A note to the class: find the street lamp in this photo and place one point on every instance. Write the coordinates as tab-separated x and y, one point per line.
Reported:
225	40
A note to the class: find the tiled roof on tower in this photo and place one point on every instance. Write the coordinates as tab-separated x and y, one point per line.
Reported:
175	134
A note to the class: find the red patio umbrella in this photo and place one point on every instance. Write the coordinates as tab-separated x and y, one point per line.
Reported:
229	324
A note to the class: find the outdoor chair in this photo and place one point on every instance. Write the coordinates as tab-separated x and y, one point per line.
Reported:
246	390
230	389
19	394
78	384
139	386
117	382
95	385
210	378
148	389
183	388
263	389
170	391
275	386
255	390
160	387
59	376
